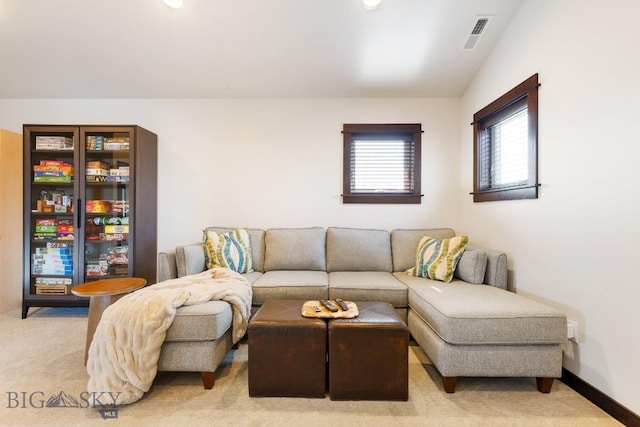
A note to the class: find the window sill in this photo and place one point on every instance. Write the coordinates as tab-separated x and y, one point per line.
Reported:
382	198
530	192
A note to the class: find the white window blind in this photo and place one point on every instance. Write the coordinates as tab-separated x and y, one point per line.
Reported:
504	152
382	165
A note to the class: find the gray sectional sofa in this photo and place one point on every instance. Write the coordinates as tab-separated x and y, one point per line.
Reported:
471	326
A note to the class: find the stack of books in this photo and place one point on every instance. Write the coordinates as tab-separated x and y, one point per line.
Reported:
117	143
97	268
52	171
59	143
99	206
53	281
121	174
51	228
94	142
120	206
55	261
103	143
96	171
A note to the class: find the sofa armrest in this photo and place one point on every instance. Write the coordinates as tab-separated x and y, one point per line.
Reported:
496	273
167	267
190	259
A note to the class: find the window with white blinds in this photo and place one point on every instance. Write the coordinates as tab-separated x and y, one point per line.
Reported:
505	154
381	163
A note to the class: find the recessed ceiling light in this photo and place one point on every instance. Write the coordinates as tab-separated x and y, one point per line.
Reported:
176	4
371	4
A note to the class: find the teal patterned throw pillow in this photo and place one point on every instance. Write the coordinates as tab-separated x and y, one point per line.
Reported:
230	250
436	259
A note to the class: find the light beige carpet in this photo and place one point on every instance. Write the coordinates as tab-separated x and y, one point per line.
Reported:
42	356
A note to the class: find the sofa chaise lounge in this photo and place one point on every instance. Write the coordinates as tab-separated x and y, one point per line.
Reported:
471	326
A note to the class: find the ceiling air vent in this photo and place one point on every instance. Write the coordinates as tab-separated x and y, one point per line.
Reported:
478	29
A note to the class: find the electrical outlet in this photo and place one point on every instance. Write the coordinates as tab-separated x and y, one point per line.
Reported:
572	330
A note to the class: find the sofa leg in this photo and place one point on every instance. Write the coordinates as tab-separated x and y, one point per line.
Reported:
449	384
544	384
208	378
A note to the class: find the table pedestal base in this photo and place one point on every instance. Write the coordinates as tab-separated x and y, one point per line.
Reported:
97	306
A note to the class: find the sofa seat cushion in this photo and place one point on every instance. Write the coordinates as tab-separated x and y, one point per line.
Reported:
368	286
463	313
253	276
290	285
200	322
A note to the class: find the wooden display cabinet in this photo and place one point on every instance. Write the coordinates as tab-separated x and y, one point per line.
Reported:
90	201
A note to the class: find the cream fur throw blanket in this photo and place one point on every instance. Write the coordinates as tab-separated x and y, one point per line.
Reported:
124	353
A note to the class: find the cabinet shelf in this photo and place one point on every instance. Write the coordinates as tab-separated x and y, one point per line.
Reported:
86	257
107	152
53	184
108	184
38	213
69	152
58	276
108	276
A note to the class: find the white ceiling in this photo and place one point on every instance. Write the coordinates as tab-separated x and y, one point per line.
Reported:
242	48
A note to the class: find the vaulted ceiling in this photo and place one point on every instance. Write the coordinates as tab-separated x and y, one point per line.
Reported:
243	48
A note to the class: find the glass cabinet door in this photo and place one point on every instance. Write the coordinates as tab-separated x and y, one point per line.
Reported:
106	160
50	237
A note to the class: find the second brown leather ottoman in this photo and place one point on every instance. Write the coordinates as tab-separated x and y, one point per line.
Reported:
369	355
287	352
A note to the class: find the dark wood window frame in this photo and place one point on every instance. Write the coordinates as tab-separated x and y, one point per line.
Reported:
412	132
524	93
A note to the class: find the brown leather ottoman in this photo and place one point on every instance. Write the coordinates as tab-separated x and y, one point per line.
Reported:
287	352
369	355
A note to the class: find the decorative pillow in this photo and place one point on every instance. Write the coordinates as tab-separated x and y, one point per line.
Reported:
231	250
472	266
436	259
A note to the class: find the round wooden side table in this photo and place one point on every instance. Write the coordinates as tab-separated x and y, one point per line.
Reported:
102	294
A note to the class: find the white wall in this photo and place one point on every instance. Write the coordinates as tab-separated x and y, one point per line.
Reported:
267	163
575	246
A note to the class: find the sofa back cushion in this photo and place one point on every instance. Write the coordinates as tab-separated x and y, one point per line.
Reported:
256	237
295	249
496	273
355	249
472	266
404	244
191	259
